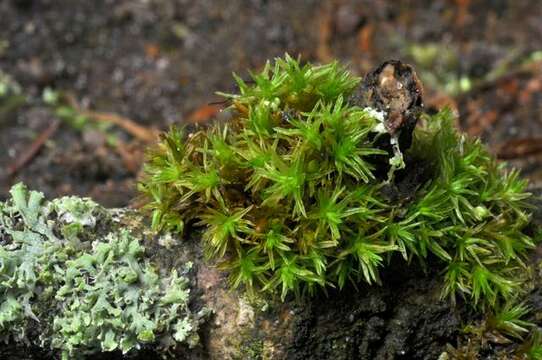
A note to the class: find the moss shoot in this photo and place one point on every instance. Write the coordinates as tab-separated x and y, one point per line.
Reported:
292	195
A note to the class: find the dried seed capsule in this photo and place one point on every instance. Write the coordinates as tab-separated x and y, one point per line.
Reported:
395	89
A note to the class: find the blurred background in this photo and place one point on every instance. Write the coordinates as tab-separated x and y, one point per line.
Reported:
85	85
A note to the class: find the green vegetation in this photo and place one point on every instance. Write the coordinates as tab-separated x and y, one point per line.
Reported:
533	347
68	112
11	96
61	290
504	332
288	197
509	320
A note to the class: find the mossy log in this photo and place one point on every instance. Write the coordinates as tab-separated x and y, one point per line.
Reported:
401	319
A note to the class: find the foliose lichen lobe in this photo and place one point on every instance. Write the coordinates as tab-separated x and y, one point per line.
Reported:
68	287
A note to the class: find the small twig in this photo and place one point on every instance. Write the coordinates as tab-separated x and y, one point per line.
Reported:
325	32
33	150
518	148
132	159
365	38
138	131
203	113
142	133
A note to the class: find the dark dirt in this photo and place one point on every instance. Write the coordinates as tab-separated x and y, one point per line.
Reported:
507	115
402	320
159	62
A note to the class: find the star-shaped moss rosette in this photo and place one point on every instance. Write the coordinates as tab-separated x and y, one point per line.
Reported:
320	178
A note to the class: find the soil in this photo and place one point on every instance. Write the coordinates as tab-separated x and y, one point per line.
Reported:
402	320
159	62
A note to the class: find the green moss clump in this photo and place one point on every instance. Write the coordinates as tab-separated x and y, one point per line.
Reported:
505	333
288	198
78	296
533	347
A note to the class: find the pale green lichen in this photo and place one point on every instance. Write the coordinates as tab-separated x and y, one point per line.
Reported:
78	297
73	209
8	86
74	214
